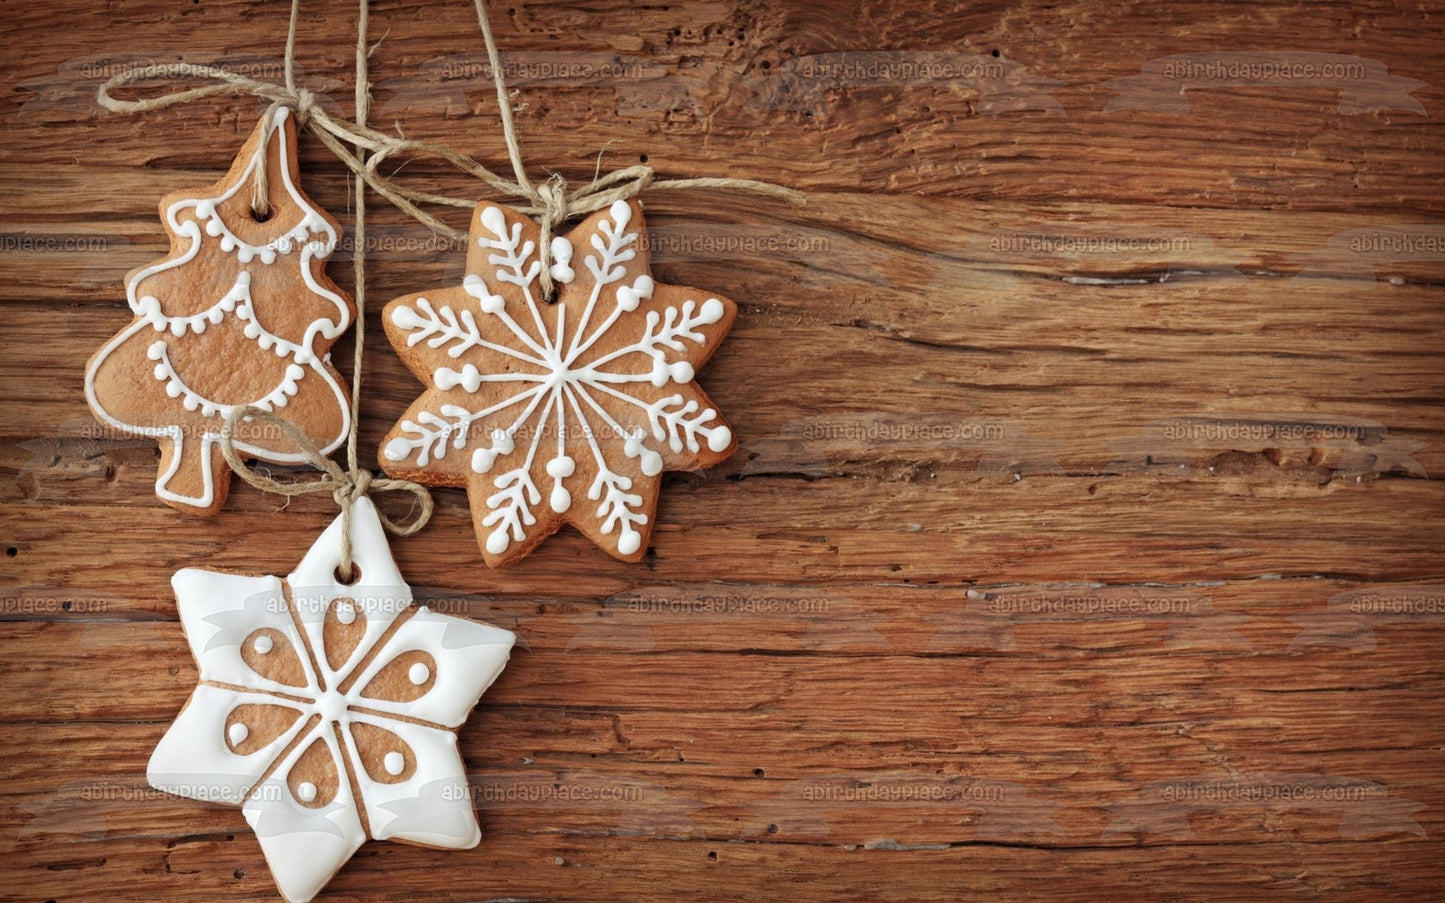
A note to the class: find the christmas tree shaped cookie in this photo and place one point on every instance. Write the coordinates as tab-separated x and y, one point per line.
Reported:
240	312
565	412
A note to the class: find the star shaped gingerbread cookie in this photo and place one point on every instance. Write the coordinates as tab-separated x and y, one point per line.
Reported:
557	413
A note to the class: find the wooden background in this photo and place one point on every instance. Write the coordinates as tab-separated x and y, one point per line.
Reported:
875	667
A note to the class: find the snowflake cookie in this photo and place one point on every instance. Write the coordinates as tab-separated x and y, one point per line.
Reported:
328	711
240	312
565	412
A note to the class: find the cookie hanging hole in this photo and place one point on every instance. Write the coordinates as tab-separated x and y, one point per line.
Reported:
553	293
351	580
262	213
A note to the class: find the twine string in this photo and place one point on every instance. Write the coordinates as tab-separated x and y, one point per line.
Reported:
363	149
345	486
360	479
552	201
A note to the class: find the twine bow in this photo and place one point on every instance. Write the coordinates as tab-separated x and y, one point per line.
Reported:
551	201
345	486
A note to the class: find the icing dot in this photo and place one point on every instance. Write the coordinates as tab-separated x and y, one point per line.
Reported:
263	644
332	707
405	317
482	459
345	613
493	219
238	733
561	499
560	467
418	673
394	763
630	541
306	791
397	449
719	439
498	540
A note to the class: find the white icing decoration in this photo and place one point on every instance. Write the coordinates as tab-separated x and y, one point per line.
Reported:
345	613
262	645
238	733
150	310
297	237
418	673
557	381
561	268
304	845
177	388
237	301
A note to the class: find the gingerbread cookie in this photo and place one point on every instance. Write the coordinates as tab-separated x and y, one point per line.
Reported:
327	711
565	412
240	312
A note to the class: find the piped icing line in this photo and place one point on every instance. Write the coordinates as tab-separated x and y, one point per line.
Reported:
208	220
311	219
150	310
192	400
514	265
239	301
453	422
442	326
178	434
269	341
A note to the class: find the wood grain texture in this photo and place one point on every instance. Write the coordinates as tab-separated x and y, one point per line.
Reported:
1085	536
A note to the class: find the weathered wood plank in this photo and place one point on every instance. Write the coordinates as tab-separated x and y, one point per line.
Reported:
201	868
1293	144
1091	425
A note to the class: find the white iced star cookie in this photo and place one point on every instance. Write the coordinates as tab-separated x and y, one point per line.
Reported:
565	412
328	712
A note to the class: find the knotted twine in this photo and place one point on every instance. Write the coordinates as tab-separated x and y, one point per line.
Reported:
551	201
